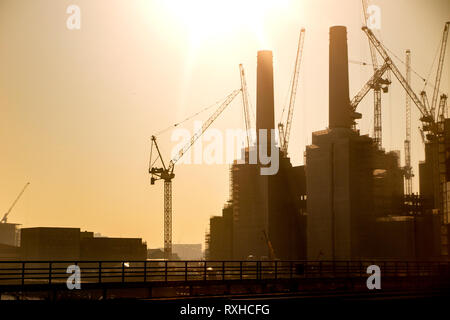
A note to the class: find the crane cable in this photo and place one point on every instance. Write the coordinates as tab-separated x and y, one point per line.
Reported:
414	71
431	68
189	117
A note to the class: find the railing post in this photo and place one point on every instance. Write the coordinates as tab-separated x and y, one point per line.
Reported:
223	270
165	271
348	269
49	273
334	268
204	270
99	272
320	269
185	271
123	272
145	271
23	273
276	270
240	269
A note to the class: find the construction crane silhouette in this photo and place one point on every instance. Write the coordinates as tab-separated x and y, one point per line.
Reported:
5	216
166	173
408	173
285	130
377	86
439	68
432	128
246	106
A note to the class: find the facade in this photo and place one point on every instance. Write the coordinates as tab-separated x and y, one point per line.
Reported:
347	202
71	244
188	251
118	249
50	243
221	235
8	252
10	234
264	212
355	191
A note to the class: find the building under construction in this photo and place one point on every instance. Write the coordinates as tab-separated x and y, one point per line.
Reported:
347	202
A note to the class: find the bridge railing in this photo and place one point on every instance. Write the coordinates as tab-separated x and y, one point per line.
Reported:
53	272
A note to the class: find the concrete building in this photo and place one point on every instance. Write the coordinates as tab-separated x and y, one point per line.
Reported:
434	177
10	234
71	244
347	202
188	251
354	189
50	243
220	244
272	205
118	249
8	253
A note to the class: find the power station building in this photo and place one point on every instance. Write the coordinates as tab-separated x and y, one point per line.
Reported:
265	212
346	203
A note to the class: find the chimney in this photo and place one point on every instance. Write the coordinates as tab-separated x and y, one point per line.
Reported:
339	101
265	118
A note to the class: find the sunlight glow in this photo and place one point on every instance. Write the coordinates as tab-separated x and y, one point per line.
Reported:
204	19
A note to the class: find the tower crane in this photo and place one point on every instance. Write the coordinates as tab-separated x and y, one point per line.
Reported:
166	173
407	144
284	131
377	86
434	135
365	89
427	119
5	216
442	112
439	68
246	105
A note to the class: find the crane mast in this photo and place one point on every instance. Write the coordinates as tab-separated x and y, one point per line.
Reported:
376	86
439	68
407	143
367	86
443	112
285	131
166	172
246	105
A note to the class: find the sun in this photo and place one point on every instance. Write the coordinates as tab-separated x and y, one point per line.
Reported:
204	19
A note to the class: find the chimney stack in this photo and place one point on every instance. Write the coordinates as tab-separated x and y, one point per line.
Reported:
265	118
339	101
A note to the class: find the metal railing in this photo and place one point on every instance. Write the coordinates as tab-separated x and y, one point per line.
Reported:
53	272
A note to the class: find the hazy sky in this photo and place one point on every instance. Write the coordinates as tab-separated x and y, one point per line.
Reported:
78	107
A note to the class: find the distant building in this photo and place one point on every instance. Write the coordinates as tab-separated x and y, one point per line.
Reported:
220	245
71	244
112	249
50	243
8	252
155	254
10	234
188	251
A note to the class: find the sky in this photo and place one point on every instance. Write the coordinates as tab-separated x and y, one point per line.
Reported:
78	107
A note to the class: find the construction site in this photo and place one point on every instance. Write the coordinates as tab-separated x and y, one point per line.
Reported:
351	199
338	195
